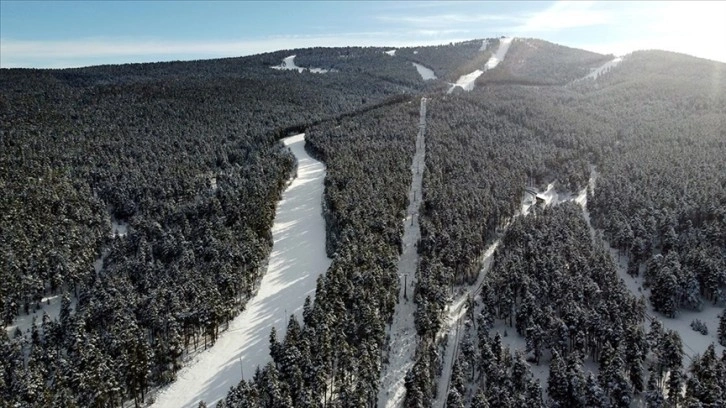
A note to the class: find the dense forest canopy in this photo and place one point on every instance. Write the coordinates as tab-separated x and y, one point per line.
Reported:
143	195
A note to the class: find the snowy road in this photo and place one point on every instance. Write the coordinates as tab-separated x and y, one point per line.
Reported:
297	259
402	332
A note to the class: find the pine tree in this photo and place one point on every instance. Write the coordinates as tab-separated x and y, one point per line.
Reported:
557	384
594	395
480	399
722	329
653	396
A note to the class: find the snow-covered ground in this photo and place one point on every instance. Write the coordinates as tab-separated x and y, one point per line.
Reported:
297	259
119	228
596	72
452	326
402	332
693	342
289	64
425	72
390	52
466	82
484	45
498	56
50	305
458	309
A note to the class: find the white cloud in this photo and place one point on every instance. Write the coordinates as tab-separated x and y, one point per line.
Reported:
563	15
448	19
694	28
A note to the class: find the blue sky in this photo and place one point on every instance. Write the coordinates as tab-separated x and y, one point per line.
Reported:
58	34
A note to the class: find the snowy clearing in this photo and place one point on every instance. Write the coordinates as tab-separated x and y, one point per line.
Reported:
297	259
596	72
402	332
50	305
119	228
391	52
425	72
693	342
466	82
289	65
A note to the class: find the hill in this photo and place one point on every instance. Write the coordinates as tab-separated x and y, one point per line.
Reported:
138	200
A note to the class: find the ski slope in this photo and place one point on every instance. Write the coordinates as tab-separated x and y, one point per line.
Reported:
466	82
288	64
297	259
602	69
425	72
402	332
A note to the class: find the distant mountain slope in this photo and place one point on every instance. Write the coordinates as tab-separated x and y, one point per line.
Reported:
532	61
445	60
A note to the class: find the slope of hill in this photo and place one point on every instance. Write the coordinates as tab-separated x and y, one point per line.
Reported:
532	61
186	154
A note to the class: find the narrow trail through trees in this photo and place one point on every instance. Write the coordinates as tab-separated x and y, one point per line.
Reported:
296	260
402	332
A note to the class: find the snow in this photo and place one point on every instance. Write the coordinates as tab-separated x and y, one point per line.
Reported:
49	305
451	327
466	82
119	228
693	342
289	64
549	197
297	259
596	72
391	52
402	332
484	45
501	52
425	72
415	52
457	309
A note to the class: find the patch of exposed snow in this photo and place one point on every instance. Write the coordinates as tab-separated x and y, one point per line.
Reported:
49	305
391	52
289	64
402	332
484	45
466	82
415	52
297	259
425	72
451	327
596	72
498	56
119	228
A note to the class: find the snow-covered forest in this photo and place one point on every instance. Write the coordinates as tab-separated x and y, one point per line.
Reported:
568	216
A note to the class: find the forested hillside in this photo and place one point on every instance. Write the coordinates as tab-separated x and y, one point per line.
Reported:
140	197
335	358
185	154
537	62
